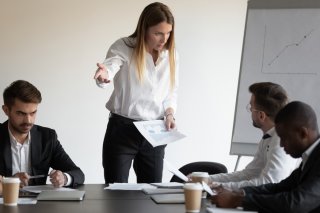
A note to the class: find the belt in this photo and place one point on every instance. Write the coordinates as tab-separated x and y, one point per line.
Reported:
119	117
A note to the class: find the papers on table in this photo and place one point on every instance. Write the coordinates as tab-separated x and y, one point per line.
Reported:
40	188
208	189
214	209
175	171
162	191
22	201
129	186
156	133
152	188
171	185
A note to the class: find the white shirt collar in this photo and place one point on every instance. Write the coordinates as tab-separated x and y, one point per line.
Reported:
14	141
271	132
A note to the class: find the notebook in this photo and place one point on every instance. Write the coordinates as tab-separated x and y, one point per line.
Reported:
61	195
168	198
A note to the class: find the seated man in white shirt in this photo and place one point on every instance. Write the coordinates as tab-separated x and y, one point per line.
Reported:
270	164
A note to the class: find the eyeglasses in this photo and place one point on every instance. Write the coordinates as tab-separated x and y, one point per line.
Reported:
250	109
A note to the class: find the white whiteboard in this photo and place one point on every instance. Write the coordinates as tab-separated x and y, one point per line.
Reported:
281	45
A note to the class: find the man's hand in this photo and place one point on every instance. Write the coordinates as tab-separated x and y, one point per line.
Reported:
228	199
217	187
57	178
24	178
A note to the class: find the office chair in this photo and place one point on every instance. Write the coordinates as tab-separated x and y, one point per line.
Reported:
200	166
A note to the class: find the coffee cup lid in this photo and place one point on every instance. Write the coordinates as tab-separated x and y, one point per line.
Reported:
193	186
200	174
10	180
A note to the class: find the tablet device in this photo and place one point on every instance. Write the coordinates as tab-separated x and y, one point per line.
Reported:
61	195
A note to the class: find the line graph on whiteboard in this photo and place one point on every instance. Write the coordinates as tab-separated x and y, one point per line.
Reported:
286	53
286	43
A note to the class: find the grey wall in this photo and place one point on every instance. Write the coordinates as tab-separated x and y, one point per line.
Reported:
56	44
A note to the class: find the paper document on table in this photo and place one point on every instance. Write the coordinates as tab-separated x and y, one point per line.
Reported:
40	188
22	201
208	189
161	191
129	186
175	171
223	210
168	185
156	133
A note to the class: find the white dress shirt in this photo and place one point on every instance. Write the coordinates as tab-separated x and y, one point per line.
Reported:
20	154
146	100
270	165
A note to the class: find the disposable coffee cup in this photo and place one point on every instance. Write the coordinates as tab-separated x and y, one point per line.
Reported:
10	193
192	196
198	177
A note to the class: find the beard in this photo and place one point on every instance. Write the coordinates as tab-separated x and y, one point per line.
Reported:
255	124
21	128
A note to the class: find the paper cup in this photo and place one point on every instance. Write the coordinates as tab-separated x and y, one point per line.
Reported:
198	177
10	193
192	195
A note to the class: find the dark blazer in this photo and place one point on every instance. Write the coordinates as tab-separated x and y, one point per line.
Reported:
299	193
46	151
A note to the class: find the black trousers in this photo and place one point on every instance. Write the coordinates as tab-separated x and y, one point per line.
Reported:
123	144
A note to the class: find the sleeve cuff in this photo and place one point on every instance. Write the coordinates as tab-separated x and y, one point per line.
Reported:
69	179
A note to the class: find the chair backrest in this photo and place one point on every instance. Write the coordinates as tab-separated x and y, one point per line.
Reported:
200	166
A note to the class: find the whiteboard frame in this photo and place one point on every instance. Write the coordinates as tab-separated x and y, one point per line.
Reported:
245	148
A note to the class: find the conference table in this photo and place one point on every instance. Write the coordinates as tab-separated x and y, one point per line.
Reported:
99	200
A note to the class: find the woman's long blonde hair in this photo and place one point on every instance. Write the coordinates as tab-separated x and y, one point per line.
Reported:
152	15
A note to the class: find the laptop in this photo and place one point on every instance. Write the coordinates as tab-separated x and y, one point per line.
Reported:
168	198
61	195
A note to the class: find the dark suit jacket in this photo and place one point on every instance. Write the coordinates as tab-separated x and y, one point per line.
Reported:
46	151
299	193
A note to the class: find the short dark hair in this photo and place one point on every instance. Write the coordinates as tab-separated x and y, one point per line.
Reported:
269	97
22	90
297	114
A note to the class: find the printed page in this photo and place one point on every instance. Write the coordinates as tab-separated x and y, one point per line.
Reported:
156	133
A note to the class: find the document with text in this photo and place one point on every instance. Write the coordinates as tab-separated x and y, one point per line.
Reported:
156	133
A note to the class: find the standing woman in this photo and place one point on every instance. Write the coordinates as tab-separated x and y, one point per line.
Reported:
143	68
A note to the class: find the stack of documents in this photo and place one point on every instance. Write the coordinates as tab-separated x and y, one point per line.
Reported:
129	186
169	185
164	188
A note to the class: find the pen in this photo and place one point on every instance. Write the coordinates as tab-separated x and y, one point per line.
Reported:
37	176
